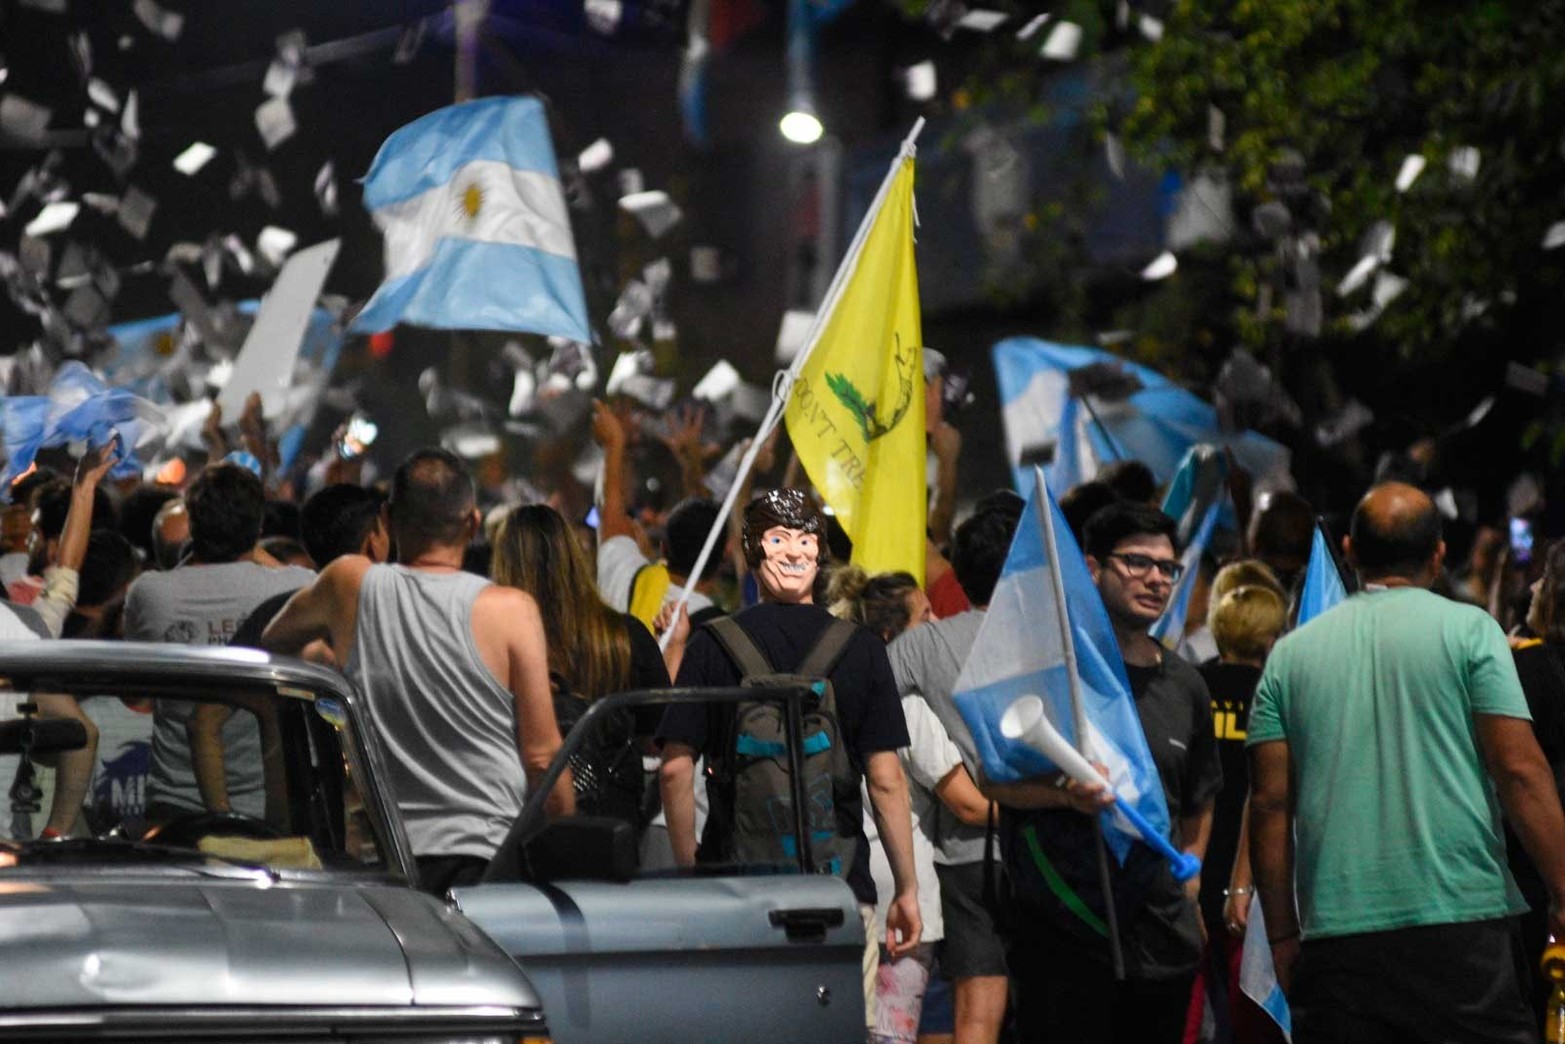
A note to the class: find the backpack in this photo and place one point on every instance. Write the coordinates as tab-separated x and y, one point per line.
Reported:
752	793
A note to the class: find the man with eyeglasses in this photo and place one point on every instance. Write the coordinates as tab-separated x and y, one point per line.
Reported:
1066	988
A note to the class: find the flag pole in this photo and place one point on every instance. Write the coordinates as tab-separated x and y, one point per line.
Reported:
1078	712
782	386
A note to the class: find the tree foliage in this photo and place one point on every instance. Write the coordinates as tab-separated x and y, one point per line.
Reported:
1354	87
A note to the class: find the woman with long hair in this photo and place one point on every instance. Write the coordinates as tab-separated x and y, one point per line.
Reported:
593	651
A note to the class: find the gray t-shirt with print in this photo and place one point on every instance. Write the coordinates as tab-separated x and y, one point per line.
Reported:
203	605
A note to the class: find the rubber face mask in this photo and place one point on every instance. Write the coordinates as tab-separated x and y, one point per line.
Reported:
789	564
783	540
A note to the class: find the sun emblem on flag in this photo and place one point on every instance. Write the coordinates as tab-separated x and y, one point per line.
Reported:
472	201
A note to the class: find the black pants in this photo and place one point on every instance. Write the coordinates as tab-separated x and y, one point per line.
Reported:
1443	982
438	873
1062	998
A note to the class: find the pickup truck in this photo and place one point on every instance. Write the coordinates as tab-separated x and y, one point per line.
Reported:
293	913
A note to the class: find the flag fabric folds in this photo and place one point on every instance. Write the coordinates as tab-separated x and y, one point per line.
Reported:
1153	420
78	408
1170	627
1020	651
1197	500
476	229
1258	977
856	412
1322	590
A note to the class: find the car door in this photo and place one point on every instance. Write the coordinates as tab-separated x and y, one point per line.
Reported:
751	957
680	960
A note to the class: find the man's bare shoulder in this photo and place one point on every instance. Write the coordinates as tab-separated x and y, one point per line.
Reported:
345	570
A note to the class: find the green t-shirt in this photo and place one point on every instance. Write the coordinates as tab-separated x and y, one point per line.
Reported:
1396	822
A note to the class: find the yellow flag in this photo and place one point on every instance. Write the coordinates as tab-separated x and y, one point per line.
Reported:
856	414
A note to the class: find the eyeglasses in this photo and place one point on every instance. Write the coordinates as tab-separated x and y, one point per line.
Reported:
1139	566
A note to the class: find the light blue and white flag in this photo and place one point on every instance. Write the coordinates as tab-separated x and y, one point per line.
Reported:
80	408
1197	501
1322	590
477	233
1020	651
1257	976
148	357
1170	627
1156	424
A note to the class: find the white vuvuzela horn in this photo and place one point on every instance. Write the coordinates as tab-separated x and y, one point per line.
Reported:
1026	722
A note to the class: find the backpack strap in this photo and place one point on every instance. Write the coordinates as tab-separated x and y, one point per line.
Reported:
827	650
740	647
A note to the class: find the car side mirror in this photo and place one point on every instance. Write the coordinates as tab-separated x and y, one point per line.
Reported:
42	735
575	848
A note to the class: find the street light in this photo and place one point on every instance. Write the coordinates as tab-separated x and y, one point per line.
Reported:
801	126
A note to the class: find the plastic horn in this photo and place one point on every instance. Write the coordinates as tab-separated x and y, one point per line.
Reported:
1025	720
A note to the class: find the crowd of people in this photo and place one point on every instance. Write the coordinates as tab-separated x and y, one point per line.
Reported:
1382	779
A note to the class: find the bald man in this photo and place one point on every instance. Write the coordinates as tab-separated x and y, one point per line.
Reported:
1374	736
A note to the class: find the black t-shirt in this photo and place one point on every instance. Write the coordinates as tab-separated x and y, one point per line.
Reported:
1541	669
248	636
869	712
1175	709
1232	685
647	671
1162	939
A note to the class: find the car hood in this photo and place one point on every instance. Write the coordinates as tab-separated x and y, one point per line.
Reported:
152	942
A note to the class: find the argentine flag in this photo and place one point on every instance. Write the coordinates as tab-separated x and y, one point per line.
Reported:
1019	651
1257	977
477	234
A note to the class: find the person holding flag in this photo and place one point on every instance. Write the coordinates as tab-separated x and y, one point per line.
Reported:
1375	733
1095	960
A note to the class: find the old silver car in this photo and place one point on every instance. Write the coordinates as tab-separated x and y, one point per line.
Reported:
276	897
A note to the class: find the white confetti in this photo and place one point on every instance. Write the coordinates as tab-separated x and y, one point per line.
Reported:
604	15
56	217
595	156
136	210
274	120
102	95
1554	238
164	23
1151	28
1028	31
1464	162
130	119
982	21
1162	266
920	81
275	244
1358	275
196	155
1063	42
1412	167
655	210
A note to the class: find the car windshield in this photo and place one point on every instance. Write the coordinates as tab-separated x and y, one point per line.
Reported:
254	782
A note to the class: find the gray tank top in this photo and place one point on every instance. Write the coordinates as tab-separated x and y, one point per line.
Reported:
448	726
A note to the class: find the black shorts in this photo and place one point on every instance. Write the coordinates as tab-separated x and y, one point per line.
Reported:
972	946
1445	982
